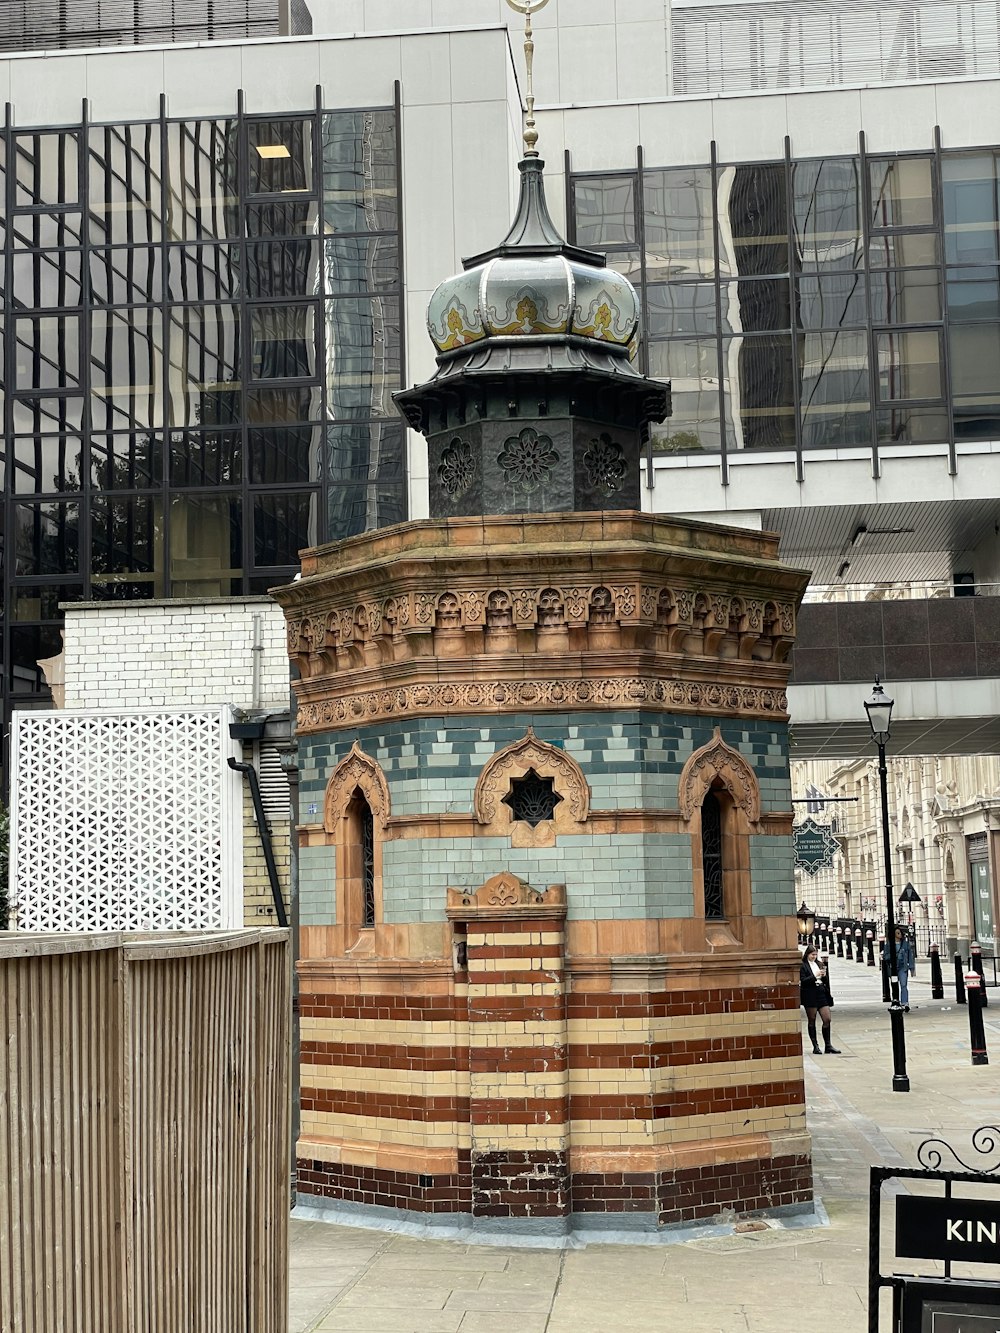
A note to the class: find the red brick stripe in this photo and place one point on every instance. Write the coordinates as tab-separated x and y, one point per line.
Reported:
673	1054
373	1055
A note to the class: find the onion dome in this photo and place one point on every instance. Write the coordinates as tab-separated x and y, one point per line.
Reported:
533	285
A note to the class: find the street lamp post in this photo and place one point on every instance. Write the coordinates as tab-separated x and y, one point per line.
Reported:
879	710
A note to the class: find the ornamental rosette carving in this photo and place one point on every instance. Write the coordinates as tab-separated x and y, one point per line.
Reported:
457	470
527	459
605	464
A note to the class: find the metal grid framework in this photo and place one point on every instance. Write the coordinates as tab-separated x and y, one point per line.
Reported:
125	821
802	304
202	332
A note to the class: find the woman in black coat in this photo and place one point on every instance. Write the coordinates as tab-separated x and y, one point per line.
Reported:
814	995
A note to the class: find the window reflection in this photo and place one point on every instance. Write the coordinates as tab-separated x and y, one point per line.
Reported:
973	293
126	369
202	272
46	169
357	508
283	455
753	203
830	301
47	352
126	276
125	186
912	296
206	544
363	451
362	264
279	156
901	192
129	462
756	305
46	538
362	351
760	380
605	211
359	171
37	414
46	279
282	268
677	223
282	342
283	525
971	208
126	551
827	214
680	308
834	394
692	366
202	179
204	365
46	463
909	363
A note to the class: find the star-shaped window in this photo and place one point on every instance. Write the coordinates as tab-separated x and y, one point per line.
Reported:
532	799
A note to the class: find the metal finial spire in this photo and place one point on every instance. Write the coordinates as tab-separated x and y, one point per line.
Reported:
527	8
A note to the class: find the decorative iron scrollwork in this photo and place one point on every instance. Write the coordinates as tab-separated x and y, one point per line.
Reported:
985	1143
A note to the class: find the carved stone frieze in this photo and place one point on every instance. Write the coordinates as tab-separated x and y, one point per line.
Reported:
766	630
598	692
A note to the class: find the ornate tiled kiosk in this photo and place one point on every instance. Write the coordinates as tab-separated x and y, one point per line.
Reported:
547	968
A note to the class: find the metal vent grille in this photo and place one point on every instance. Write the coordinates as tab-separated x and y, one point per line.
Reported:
757	44
37	25
125	821
274	789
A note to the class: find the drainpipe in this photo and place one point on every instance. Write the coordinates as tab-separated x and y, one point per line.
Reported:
239	731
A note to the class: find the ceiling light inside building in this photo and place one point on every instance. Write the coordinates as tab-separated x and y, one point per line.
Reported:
272	150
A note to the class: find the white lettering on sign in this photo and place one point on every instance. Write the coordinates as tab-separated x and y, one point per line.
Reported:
964	1229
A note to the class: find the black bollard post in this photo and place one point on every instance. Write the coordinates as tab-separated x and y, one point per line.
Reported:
977	1032
825	959
884	964
859	948
840	942
937	981
959	980
976	963
870	936
848	939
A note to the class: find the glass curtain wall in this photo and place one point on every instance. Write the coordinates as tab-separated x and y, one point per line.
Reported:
812	304
202	336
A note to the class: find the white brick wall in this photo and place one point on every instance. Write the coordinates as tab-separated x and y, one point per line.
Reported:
175	654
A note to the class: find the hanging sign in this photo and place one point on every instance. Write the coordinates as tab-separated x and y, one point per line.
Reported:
815	846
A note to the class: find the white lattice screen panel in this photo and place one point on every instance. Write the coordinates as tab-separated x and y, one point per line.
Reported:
125	821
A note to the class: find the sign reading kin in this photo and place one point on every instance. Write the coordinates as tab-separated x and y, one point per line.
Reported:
966	1229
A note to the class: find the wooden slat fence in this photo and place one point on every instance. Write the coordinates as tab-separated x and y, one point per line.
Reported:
144	1133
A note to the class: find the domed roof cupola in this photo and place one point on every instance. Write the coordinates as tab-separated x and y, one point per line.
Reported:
535	405
533	285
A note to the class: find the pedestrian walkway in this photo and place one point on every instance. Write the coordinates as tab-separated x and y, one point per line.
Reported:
773	1280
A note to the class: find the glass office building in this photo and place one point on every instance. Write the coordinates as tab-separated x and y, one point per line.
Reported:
202	334
813	304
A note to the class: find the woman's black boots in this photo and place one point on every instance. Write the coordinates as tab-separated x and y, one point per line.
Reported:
812	1037
829	1048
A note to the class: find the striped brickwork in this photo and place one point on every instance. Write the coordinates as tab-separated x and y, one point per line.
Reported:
545	1021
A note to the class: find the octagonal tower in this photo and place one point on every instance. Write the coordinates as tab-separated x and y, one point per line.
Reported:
547	974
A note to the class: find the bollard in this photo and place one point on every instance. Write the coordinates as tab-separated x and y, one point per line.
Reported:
937	981
959	980
859	948
884	965
848	941
840	942
977	1032
870	935
825	959
976	963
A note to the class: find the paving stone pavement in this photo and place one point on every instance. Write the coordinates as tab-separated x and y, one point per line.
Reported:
353	1280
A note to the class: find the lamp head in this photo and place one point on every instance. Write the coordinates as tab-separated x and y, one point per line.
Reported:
879	709
806	920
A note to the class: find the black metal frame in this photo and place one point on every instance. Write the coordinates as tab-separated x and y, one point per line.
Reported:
985	1141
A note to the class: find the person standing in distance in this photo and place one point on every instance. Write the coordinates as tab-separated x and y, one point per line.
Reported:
815	997
906	964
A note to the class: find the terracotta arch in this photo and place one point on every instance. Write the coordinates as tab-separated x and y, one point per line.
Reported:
719	761
719	769
357	775
548	761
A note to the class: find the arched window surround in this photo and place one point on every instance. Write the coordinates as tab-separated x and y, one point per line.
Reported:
356	808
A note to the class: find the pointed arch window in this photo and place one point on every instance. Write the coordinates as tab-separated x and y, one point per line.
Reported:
712	857
361	856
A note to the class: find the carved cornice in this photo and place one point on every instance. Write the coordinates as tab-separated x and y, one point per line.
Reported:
577	693
337	632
